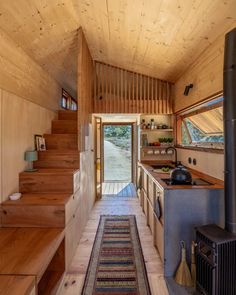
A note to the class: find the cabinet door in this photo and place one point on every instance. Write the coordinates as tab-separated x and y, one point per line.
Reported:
145	181
159	237
150	217
145	206
151	191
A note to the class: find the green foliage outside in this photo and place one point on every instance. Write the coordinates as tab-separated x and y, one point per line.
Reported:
120	135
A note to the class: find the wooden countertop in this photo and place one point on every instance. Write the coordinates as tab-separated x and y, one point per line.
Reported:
216	183
15	285
28	251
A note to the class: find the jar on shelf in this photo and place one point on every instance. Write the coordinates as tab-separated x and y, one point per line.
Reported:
143	124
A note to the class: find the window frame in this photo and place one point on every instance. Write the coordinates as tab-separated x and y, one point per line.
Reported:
199	108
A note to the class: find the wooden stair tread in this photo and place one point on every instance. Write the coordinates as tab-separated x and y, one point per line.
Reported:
13	284
28	251
52	199
51	171
62	151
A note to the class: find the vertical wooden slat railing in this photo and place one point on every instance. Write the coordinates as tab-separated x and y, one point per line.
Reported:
120	91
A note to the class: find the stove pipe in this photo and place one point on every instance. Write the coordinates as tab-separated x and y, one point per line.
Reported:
230	130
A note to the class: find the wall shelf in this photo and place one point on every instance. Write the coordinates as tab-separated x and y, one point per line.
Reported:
156	130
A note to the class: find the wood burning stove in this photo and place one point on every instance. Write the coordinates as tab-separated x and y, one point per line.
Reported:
216	261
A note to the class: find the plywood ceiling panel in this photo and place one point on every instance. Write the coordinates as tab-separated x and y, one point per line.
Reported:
159	38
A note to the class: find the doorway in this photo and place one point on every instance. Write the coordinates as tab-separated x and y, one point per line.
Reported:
117	143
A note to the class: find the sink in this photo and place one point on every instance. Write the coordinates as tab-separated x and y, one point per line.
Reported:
159	166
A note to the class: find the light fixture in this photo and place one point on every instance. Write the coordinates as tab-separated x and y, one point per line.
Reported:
187	88
31	156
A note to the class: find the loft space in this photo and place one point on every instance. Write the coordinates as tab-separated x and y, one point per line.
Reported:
157	38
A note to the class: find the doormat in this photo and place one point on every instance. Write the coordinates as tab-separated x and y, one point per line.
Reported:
116	264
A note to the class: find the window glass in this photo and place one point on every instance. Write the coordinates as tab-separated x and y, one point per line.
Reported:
205	127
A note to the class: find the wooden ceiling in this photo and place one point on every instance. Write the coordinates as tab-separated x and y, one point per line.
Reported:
159	38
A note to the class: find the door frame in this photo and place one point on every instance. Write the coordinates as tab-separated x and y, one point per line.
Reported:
132	147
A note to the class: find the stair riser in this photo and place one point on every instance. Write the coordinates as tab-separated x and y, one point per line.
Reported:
57	160
64	127
31	216
61	141
67	115
57	164
47	184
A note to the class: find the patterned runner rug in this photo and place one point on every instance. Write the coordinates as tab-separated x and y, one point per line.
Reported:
116	264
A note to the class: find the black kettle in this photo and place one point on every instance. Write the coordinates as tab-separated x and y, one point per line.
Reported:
180	175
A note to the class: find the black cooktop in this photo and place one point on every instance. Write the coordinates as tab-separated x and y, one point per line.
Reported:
195	181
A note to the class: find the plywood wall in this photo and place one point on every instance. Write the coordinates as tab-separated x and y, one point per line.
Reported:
207	162
206	75
29	97
85	89
20	120
120	91
22	76
85	110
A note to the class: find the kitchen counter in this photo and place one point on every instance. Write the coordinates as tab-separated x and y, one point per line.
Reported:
173	211
157	177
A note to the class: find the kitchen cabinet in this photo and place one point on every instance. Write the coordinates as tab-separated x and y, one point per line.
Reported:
172	215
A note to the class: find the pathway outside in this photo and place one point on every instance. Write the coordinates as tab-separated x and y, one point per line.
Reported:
117	163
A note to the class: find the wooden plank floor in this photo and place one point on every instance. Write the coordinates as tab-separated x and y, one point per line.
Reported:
75	277
118	189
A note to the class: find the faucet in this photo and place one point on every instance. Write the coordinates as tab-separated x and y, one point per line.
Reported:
175	151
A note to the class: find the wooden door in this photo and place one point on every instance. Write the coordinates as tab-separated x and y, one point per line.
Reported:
98	156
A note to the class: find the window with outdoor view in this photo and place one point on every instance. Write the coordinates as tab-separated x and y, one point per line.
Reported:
203	126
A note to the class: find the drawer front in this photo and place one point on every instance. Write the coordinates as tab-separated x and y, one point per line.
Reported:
73	233
159	237
72	205
142	198
150	217
145	181
145	204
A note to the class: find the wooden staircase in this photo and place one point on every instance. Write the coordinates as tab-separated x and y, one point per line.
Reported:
51	196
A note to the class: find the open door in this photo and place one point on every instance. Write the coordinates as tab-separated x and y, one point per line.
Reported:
135	154
97	160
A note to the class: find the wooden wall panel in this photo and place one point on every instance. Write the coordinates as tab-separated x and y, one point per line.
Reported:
206	75
129	92
22	76
20	120
85	89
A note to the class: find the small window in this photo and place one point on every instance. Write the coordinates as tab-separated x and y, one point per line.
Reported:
203	126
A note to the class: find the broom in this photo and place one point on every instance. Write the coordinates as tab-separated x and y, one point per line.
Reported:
183	276
193	264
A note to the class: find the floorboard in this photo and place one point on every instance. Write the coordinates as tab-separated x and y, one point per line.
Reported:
118	189
75	277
